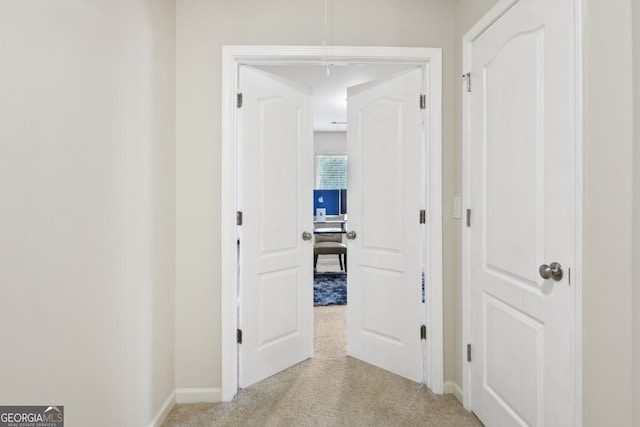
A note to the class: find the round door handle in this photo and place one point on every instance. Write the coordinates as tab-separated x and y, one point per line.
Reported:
306	235
351	235
552	271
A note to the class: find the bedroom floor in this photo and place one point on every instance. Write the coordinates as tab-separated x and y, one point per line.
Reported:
328	263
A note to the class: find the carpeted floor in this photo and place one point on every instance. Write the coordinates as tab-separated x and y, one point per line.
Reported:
330	389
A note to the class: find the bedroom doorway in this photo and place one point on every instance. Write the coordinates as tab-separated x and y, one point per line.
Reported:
233	57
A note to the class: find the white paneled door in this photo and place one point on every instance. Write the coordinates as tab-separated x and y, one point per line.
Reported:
275	154
521	142
384	147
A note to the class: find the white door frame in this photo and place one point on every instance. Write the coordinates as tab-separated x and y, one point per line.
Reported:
576	275
232	58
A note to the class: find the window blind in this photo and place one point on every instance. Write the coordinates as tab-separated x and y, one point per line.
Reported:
331	171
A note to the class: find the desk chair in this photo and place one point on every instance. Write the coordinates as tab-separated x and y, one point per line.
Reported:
329	244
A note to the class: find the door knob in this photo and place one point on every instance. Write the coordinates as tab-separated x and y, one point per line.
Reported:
306	235
553	271
351	235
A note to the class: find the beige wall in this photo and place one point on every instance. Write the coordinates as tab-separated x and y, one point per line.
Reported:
468	12
87	113
330	142
607	266
203	27
636	213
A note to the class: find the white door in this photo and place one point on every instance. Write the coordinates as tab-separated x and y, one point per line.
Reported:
384	147
275	197
521	189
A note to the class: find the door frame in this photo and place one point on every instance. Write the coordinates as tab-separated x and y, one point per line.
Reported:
476	31
431	60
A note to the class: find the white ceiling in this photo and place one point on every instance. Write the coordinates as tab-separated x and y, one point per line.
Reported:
330	91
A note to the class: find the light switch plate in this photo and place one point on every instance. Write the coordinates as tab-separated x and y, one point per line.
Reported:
457	208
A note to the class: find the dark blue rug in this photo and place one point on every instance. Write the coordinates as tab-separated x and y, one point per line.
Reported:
330	289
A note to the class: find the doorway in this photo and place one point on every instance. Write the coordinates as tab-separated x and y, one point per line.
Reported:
329	85
430	59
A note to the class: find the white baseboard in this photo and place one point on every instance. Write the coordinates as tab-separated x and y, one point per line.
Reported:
198	395
451	387
185	395
164	410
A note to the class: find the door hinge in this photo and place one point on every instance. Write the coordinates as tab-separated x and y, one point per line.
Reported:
239	100
468	79
468	352
423	216
423	102
239	218
423	332
239	336
468	217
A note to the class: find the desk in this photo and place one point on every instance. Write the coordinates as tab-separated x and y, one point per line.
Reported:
330	227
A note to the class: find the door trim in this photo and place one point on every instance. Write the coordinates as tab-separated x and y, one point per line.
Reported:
431	59
480	27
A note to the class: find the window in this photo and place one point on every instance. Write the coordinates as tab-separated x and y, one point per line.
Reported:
331	171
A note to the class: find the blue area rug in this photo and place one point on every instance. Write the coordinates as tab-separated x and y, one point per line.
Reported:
330	289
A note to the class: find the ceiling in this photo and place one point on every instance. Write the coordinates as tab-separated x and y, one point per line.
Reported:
330	88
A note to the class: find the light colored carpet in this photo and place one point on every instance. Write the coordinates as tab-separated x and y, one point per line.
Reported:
331	389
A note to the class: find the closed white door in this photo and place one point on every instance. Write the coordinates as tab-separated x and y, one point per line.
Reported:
521	142
384	147
275	151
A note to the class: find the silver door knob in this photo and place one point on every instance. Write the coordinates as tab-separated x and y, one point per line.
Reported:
351	235
552	271
306	235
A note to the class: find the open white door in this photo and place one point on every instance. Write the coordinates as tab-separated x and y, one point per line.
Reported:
275	151
384	147
521	142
